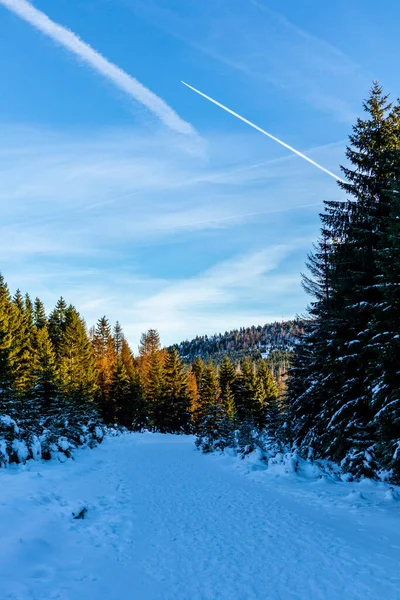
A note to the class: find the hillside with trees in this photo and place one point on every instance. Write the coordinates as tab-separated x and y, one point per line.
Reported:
343	396
273	342
60	384
344	386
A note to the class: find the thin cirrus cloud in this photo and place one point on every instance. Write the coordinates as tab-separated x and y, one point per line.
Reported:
122	80
141	185
215	300
117	211
266	47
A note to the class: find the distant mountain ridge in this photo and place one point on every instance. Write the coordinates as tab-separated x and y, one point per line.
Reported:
262	341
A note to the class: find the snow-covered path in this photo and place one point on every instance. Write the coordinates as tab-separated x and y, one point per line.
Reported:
166	522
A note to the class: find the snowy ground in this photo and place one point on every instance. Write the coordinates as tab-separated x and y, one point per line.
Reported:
166	522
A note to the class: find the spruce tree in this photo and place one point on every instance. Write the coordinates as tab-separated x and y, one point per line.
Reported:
127	359
154	390
57	324
337	407
139	405
45	372
151	366
7	311
227	379
104	352
194	394
271	411
39	314
198	369
77	372
215	431
120	395
21	353
176	396
118	336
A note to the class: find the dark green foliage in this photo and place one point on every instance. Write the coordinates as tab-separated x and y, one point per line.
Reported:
272	413
77	369
227	380
215	430
57	323
21	351
273	340
235	407
121	394
176	399
7	320
344	383
46	387
39	314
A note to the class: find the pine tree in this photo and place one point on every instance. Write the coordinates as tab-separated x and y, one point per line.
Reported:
215	430
21	353
77	368
271	411
104	351
39	314
249	395
194	394
176	396
118	337
154	390
57	324
340	360
151	366
209	387
198	370
120	395
227	379
127	359
7	310
386	381
45	372
139	405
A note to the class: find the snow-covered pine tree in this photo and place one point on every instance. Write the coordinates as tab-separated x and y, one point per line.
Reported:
340	358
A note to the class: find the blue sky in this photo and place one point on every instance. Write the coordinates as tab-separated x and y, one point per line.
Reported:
108	204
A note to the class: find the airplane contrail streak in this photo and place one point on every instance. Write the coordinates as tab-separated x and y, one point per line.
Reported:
235	114
122	80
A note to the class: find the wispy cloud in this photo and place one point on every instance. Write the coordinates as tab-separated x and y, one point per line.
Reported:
125	82
218	298
268	48
140	228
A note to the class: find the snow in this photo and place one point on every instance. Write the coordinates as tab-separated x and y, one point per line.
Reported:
21	450
146	516
7	421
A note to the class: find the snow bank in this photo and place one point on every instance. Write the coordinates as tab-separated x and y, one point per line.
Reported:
324	481
18	444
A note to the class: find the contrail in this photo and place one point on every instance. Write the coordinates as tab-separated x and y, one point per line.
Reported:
66	38
265	133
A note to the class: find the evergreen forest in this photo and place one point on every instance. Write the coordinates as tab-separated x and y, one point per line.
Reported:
325	387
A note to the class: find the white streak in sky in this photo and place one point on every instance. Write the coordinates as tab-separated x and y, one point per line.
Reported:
265	133
66	38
